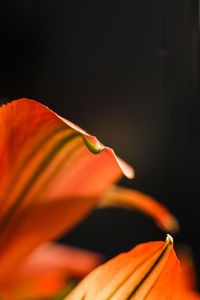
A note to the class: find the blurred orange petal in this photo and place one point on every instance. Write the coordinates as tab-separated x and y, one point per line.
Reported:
187	283
127	198
47	270
150	271
52	257
188	274
51	171
185	294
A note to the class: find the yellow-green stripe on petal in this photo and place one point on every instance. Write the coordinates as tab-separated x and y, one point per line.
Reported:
148	272
52	174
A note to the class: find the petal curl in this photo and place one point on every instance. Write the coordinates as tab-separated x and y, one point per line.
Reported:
48	165
132	199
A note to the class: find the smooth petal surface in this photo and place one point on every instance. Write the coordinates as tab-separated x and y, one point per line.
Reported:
48	269
187	284
150	271
127	198
52	173
188	274
186	295
51	256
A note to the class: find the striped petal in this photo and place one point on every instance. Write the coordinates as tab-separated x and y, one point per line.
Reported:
150	271
132	199
51	171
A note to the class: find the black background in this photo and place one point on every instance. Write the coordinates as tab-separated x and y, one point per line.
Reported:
127	72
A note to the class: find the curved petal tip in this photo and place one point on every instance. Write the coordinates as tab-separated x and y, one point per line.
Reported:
169	239
126	169
170	223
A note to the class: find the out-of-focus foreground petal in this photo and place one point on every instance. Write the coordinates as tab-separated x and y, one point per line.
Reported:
188	274
150	271
52	173
127	198
186	295
47	270
187	284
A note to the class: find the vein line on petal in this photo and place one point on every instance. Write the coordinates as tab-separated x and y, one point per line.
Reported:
36	174
45	185
149	272
132	272
30	156
59	166
89	144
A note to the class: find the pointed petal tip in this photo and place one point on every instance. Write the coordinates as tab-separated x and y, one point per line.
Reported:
169	240
127	170
96	147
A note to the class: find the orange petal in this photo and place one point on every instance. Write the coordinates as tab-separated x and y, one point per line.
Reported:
41	223
150	271
46	271
47	164
185	294
37	147
188	274
52	257
133	199
187	284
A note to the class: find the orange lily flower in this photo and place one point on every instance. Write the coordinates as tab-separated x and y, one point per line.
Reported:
52	174
150	271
